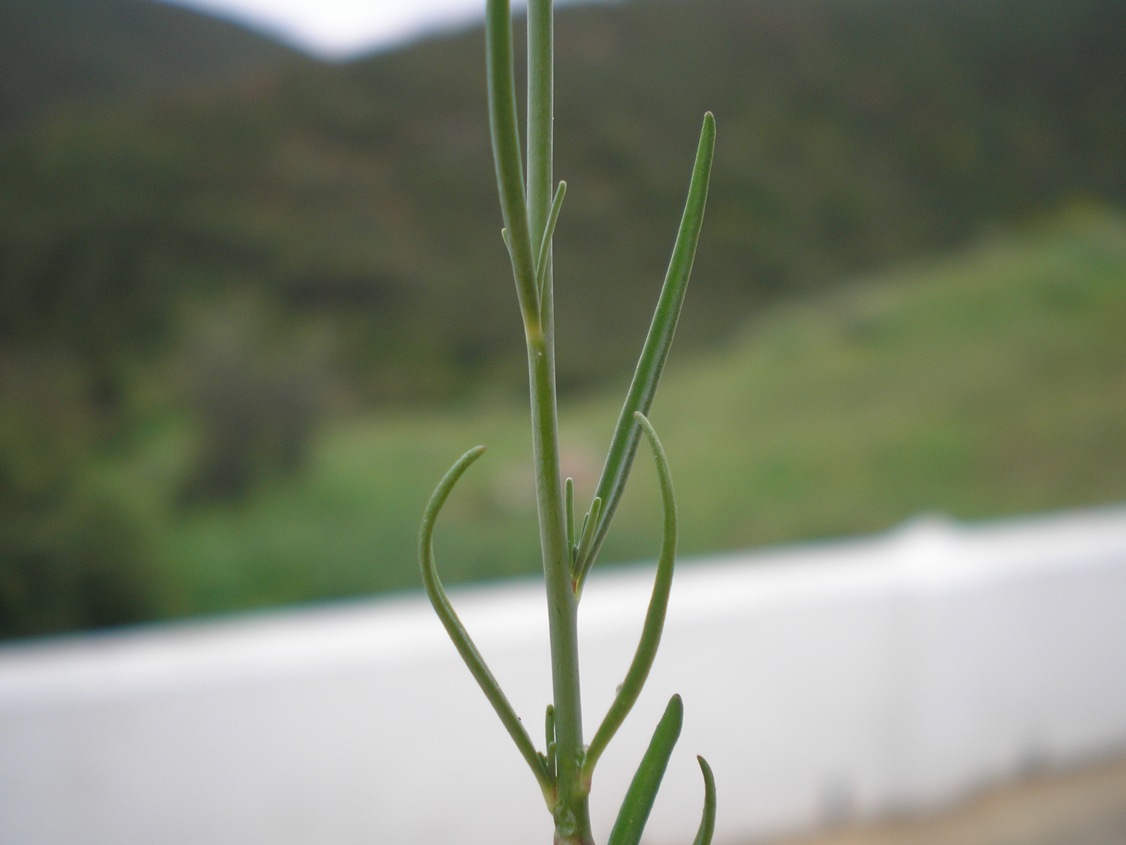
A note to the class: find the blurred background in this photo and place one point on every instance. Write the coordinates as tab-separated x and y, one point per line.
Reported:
254	302
253	298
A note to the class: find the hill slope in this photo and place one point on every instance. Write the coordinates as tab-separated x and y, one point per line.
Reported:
981	384
359	199
252	255
83	52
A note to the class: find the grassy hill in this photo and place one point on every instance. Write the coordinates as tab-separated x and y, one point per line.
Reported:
87	53
983	383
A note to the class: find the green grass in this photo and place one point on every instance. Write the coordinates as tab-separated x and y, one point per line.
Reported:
991	383
982	384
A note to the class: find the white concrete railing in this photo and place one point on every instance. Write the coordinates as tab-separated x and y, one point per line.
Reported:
840	680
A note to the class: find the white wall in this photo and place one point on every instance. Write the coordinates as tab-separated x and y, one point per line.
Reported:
840	680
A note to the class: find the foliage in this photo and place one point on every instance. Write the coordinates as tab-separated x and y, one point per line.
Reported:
257	402
73	562
72	557
978	383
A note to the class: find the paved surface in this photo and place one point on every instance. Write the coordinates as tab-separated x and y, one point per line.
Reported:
1086	807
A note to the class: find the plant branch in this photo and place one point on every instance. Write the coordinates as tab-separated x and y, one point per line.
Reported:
458	634
572	822
506	155
530	210
654	616
651	364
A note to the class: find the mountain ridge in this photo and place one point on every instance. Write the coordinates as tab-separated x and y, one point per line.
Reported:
65	53
852	133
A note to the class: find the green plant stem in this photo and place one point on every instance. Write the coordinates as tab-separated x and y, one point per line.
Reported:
572	818
506	153
541	109
564	771
571	815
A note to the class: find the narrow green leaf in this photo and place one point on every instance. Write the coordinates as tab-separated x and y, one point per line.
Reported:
545	243
569	504
549	736
707	823
586	538
623	444
642	792
506	154
460	637
654	616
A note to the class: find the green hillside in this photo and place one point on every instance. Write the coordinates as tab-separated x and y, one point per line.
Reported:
981	384
234	284
87	53
357	201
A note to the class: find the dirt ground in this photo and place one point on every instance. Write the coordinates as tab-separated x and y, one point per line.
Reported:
1085	807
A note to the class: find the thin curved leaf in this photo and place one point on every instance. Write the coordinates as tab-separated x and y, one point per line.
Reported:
460	637
623	444
586	535
549	735
569	513
545	242
654	616
642	791
707	823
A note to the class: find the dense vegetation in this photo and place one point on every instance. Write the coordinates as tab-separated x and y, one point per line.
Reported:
228	251
982	383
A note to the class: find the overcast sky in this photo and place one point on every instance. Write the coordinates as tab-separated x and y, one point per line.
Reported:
340	28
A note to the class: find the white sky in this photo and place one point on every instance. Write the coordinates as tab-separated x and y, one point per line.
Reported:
340	28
